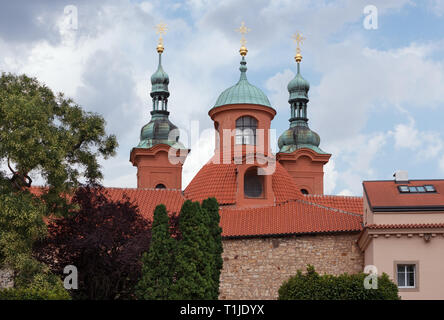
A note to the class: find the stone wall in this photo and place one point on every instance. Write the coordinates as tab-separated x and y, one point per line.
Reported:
6	278
255	268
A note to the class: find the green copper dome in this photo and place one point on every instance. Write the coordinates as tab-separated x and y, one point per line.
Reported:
160	80
299	135
243	92
298	88
158	130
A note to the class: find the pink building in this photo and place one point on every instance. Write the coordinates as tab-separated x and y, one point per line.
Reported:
403	234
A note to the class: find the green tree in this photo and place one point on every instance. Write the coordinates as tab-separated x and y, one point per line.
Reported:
194	261
215	244
50	136
158	262
312	286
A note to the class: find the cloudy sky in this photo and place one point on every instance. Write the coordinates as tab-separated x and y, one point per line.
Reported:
376	98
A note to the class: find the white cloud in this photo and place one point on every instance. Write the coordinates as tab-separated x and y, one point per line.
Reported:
201	60
330	177
427	144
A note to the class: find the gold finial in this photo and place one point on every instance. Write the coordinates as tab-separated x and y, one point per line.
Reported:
161	29
299	39
243	30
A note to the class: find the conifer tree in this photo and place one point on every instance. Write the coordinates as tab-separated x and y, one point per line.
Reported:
212	208
158	262
194	260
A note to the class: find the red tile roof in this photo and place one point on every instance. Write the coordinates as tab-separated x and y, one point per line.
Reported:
293	217
219	181
386	194
214	180
283	185
148	199
289	217
344	203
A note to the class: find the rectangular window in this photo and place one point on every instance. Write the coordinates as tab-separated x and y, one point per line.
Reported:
406	274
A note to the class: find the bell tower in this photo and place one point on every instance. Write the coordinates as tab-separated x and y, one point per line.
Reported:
299	150
159	156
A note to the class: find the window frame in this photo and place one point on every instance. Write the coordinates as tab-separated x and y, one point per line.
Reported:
250	171
243	130
415	265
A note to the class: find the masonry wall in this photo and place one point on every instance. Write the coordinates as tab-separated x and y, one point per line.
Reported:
255	268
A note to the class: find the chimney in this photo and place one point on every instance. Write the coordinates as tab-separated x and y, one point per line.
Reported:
401	176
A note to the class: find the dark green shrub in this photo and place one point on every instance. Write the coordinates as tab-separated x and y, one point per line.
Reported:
312	286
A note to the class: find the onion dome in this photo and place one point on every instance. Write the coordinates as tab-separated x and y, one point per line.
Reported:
243	92
298	87
160	80
299	135
160	130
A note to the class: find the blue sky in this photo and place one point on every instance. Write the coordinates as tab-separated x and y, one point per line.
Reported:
376	97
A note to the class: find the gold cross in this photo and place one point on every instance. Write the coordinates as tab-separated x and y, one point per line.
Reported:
243	30
161	29
298	38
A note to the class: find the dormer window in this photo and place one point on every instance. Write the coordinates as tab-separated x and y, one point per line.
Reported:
246	130
253	184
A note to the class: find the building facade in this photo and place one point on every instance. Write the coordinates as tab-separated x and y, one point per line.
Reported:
274	214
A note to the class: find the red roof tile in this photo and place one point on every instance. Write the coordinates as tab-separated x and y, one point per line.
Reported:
293	217
386	194
214	180
283	185
145	199
148	199
219	181
290	217
344	203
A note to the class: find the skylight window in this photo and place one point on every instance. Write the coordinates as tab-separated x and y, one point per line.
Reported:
430	188
416	189
403	188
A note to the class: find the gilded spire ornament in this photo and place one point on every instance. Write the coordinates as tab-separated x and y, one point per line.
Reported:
299	39
161	29
243	30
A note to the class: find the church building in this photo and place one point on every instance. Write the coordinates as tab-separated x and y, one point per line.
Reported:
274	214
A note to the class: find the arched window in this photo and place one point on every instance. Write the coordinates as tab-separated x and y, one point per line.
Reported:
246	130
304	191
253	184
160	186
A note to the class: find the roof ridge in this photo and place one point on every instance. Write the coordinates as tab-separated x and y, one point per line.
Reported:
331	196
330	208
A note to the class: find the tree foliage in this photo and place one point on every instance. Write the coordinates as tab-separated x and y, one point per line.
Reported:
104	239
47	135
194	259
312	286
215	242
50	135
158	263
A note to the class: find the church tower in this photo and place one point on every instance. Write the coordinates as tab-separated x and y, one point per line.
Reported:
243	173
299	150
159	156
